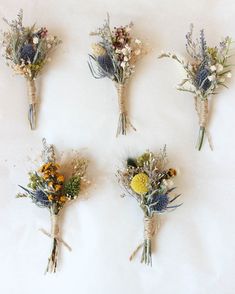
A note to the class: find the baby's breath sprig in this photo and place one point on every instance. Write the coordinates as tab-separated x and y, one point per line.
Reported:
114	56
51	189
27	50
150	182
207	69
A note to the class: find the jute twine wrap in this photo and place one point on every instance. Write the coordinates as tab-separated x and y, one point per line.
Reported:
32	103
54	226
149	227
54	235
124	121
55	230
121	91
31	91
202	109
149	232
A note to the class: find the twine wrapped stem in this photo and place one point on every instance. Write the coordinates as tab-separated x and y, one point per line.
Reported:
32	103
52	260
149	232
124	121
201	106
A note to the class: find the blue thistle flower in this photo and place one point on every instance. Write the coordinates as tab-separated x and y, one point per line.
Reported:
38	196
106	63
160	202
41	197
202	80
27	53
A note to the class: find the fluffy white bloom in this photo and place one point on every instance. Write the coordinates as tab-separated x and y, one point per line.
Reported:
127	48
124	51
229	75
137	41
211	78
123	64
168	183
35	40
219	67
213	68
222	80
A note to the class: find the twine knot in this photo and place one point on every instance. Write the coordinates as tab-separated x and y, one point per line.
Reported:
55	230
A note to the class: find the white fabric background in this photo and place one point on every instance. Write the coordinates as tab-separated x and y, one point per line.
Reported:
195	247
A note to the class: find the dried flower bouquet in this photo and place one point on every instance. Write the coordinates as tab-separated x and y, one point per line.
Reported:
27	50
48	188
206	70
114	56
150	182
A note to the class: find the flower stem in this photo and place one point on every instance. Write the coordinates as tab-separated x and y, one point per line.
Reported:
52	260
201	137
147	252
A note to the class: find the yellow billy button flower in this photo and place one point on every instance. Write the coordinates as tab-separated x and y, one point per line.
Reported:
139	183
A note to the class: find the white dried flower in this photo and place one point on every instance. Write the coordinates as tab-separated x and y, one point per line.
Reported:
213	68
229	75
222	80
219	67
35	40
168	183
128	48
211	78
124	51
123	64
137	41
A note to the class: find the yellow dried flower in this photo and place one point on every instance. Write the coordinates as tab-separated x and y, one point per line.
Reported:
50	184
60	178
172	172
58	187
63	199
46	176
98	50
50	197
139	183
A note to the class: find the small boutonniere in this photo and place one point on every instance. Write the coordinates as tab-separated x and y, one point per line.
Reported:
114	56
207	69
27	51
49	188
148	180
